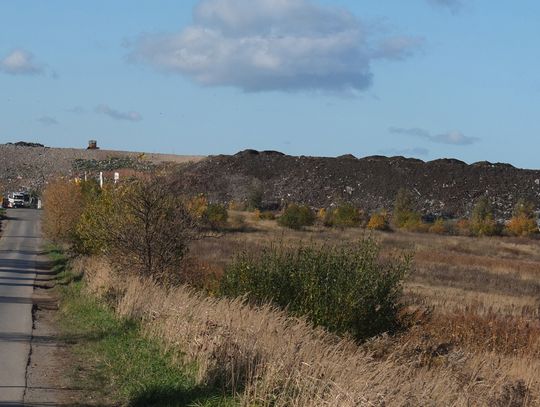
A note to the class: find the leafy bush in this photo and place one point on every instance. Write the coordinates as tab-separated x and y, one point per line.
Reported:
343	216
197	206
345	289
523	222
482	219
404	216
63	203
379	221
216	216
297	217
141	226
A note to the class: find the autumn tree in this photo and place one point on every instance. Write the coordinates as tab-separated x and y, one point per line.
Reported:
63	204
143	226
524	220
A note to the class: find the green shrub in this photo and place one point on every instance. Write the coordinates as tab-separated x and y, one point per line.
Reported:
296	217
215	216
343	216
482	219
345	289
404	216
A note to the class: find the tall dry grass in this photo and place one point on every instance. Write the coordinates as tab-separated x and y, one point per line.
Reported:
270	359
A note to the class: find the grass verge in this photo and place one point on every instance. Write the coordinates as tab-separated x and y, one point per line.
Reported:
114	360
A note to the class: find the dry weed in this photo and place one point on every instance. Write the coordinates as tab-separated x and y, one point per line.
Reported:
270	359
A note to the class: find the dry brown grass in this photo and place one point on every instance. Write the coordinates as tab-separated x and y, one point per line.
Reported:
270	359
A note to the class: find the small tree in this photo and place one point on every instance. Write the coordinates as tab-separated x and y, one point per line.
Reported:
344	216
378	221
523	222
297	217
63	204
142	226
482	219
216	216
404	215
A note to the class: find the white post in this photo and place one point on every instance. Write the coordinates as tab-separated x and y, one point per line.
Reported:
101	179
116	177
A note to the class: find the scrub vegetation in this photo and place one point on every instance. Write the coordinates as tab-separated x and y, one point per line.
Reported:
314	315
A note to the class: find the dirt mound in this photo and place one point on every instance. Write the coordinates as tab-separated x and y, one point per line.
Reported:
31	165
444	187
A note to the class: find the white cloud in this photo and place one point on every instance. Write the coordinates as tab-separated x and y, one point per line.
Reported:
452	137
118	115
47	121
260	45
20	62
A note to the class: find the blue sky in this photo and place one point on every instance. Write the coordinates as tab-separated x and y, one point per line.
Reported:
420	78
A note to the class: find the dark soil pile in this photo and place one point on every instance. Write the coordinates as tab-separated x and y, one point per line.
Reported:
443	187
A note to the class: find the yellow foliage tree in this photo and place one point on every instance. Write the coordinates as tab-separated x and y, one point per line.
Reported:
523	223
63	204
378	221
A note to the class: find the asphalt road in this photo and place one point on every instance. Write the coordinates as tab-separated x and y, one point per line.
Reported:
20	245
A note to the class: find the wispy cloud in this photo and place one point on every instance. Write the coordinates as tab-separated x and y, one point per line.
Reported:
268	45
20	62
118	115
452	137
47	121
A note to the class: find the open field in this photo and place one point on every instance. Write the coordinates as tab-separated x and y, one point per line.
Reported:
452	273
477	301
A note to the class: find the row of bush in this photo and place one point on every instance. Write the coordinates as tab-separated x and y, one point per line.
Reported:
481	222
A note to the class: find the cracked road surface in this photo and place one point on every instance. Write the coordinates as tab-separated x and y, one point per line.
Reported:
20	246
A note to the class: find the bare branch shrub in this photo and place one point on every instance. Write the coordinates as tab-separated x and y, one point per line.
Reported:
142	226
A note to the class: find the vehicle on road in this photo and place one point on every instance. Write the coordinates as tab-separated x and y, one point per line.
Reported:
19	200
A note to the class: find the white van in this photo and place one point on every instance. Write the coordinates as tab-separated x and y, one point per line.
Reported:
19	200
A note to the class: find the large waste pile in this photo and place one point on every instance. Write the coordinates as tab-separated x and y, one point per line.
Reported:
444	187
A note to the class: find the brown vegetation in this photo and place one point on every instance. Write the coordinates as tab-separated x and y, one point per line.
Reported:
64	203
270	359
472	314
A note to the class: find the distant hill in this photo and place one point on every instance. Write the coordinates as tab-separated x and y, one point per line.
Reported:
30	165
444	187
